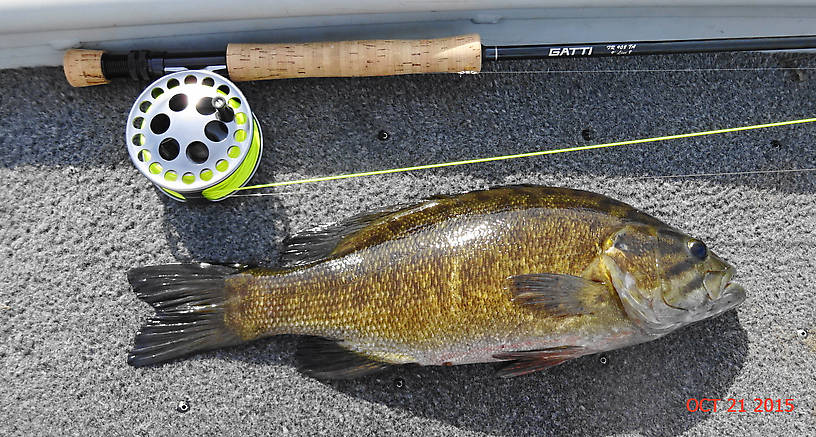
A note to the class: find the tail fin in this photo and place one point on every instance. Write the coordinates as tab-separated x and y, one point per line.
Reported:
190	301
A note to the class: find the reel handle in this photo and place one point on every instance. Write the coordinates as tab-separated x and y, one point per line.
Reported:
354	58
288	60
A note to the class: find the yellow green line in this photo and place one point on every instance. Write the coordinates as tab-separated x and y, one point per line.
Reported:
528	154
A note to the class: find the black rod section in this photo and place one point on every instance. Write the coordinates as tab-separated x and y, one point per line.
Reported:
145	65
498	53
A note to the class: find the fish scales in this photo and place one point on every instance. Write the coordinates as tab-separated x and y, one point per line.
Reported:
427	284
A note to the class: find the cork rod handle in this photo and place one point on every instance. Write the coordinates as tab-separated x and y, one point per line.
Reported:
354	58
287	60
83	67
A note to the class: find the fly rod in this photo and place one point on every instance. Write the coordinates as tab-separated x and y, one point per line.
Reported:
457	54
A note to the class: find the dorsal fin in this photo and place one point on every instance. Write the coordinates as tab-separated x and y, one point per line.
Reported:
366	230
335	239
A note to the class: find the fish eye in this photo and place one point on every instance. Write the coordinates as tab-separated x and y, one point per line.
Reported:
698	249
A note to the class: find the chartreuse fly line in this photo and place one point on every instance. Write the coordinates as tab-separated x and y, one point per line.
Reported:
193	134
542	153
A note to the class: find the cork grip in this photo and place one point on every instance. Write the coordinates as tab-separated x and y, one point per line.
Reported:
83	67
354	58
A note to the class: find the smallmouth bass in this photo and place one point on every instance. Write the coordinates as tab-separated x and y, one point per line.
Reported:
526	275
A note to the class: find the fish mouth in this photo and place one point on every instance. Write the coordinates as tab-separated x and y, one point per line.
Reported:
723	293
731	296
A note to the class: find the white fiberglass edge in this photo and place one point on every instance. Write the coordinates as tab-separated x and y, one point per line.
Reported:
34	33
42	15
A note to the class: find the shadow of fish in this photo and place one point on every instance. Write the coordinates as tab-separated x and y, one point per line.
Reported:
526	275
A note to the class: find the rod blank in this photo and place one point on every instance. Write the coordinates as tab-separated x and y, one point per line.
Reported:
633	48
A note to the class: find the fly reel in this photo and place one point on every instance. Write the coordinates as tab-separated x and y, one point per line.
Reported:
193	135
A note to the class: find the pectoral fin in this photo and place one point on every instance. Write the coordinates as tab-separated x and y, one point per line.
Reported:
524	362
558	295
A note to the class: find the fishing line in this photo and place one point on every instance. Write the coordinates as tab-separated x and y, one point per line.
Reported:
532	154
689	175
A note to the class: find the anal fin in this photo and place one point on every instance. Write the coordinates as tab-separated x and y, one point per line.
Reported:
323	358
525	362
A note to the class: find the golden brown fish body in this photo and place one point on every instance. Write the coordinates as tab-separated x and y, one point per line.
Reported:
526	274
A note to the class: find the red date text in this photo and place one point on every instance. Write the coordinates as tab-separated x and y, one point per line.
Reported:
731	405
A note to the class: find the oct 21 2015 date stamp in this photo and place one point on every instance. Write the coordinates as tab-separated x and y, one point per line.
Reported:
731	405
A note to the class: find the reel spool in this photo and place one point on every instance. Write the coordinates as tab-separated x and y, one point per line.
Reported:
192	133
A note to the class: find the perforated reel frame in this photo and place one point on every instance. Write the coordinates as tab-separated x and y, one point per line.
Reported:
179	140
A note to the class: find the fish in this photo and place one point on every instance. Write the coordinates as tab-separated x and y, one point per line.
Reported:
526	276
